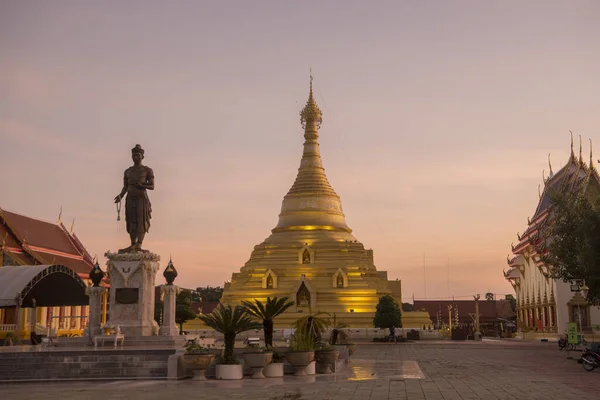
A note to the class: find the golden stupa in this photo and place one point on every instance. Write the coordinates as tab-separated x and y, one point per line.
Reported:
311	255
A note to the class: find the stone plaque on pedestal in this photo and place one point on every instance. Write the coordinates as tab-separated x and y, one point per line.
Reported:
132	278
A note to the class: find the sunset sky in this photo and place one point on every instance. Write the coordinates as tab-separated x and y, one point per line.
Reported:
438	120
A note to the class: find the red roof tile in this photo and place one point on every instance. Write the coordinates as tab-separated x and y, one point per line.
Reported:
38	233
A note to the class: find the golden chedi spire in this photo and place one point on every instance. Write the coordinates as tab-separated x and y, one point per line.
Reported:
311	203
311	116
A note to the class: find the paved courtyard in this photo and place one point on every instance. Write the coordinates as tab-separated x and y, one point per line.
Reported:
427	370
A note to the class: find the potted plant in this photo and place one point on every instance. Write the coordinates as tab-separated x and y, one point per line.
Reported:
325	355
198	359
275	368
339	336
301	352
266	312
257	357
229	321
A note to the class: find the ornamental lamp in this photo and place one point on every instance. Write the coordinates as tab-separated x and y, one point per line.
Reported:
584	291
170	272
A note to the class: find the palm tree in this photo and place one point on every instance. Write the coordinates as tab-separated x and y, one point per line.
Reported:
267	312
229	321
313	325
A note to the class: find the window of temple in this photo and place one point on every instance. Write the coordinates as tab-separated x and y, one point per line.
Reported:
339	279
269	281
303	296
306	257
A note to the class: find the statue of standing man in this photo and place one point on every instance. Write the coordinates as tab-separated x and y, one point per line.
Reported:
138	210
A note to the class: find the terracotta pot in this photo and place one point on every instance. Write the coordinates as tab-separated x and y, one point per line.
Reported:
198	364
325	358
229	371
300	360
257	362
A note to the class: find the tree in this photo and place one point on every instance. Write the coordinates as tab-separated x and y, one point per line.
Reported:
229	321
489	296
569	241
408	307
267	312
387	314
183	309
210	294
513	302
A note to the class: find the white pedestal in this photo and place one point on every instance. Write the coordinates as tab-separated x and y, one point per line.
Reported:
95	294
132	292
169	295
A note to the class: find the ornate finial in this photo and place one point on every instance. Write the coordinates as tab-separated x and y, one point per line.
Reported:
73	226
311	113
539	191
59	220
96	274
591	157
580	150
170	272
544	175
550	165
572	150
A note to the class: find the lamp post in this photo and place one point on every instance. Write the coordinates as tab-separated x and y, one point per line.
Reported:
450	318
477	332
583	290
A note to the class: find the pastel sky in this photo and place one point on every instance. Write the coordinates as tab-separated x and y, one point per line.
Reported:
438	120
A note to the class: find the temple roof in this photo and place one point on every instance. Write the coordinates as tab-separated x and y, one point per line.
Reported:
311	203
574	176
28	238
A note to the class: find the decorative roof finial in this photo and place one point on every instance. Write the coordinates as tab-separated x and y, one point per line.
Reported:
539	192
591	157
580	151
544	175
572	151
550	165
311	116
73	226
59	220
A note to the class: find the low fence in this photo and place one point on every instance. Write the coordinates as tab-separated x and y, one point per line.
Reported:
355	334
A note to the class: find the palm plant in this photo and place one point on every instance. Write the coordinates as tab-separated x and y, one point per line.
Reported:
267	312
313	325
229	321
338	332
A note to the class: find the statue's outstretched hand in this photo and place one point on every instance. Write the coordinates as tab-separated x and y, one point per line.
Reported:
118	198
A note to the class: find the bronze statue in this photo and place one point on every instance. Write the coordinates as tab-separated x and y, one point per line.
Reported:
138	210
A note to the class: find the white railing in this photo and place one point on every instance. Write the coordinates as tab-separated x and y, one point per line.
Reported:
8	327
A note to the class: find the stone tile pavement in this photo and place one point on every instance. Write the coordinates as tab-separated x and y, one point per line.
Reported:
494	369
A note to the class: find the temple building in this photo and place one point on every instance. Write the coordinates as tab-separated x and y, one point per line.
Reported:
311	256
545	305
26	241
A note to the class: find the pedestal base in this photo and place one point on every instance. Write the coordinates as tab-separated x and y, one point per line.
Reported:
132	292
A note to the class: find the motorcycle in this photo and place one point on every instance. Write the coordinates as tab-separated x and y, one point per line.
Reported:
591	360
563	343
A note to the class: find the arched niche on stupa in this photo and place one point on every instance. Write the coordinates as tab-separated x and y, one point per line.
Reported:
269	280
306	255
340	279
304	295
